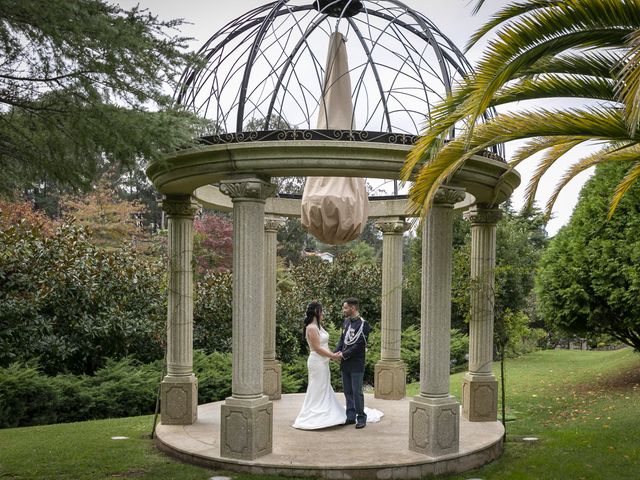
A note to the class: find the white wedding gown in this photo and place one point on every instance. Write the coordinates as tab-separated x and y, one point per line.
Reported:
321	408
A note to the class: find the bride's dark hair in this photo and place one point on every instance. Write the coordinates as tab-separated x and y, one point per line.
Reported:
314	309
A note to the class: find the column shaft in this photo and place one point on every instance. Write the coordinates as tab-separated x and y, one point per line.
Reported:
272	377
248	298
435	348
390	371
179	387
480	388
247	416
483	259
434	420
180	303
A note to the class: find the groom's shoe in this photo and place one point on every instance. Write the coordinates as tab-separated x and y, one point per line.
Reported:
361	425
349	422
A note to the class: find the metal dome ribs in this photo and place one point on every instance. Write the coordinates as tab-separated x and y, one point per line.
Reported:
264	70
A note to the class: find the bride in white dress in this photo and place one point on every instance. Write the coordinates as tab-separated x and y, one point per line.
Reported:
321	408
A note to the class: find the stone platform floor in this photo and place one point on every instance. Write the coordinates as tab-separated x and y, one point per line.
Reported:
378	451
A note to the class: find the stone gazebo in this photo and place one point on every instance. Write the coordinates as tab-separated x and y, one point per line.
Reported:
264	71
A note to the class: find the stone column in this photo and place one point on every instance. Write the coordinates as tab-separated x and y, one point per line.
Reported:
272	375
480	387
247	416
179	388
390	371
434	415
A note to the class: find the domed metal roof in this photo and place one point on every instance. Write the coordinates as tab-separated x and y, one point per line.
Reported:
264	70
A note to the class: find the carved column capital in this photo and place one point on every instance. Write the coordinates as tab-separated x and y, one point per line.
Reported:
247	189
273	224
479	215
448	196
392	225
179	206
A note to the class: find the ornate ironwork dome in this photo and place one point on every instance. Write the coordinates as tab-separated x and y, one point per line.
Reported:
264	71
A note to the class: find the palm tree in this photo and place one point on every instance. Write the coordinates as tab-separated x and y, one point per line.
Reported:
586	50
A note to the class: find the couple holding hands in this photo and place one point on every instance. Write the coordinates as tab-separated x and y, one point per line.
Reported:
321	409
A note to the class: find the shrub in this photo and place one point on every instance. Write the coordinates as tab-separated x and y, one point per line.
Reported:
212	312
214	372
26	397
122	388
459	346
410	352
294	376
72	305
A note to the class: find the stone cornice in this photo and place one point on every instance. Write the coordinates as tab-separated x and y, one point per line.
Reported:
448	196
179	206
392	226
247	189
273	224
483	216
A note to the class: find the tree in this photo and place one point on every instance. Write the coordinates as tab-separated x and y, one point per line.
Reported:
109	220
589	281
78	82
586	50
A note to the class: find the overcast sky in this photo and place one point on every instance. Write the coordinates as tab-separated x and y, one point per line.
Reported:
453	18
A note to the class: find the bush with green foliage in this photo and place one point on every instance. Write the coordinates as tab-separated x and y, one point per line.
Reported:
73	305
121	388
214	372
212	312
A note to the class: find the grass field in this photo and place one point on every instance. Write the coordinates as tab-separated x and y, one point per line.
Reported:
583	407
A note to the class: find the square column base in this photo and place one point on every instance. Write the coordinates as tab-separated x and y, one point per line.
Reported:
390	380
480	398
272	379
434	425
246	428
179	400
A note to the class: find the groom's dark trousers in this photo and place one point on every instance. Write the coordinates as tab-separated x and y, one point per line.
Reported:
352	367
352	385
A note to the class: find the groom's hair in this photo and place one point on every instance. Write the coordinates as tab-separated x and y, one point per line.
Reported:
353	301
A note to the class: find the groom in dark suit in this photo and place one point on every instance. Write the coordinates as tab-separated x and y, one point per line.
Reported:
352	349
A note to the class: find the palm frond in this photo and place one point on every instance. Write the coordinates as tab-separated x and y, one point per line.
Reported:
542	49
536	145
545	32
629	81
514	9
578	62
477	6
493	77
550	157
616	152
597	123
556	86
627	182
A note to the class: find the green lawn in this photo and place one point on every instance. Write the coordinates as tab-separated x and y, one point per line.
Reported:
581	405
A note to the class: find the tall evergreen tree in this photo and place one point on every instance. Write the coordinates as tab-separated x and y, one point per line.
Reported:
589	281
84	83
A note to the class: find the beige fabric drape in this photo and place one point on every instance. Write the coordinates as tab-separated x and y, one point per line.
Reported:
335	209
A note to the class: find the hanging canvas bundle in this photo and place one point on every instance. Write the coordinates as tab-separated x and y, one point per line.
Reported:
335	209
